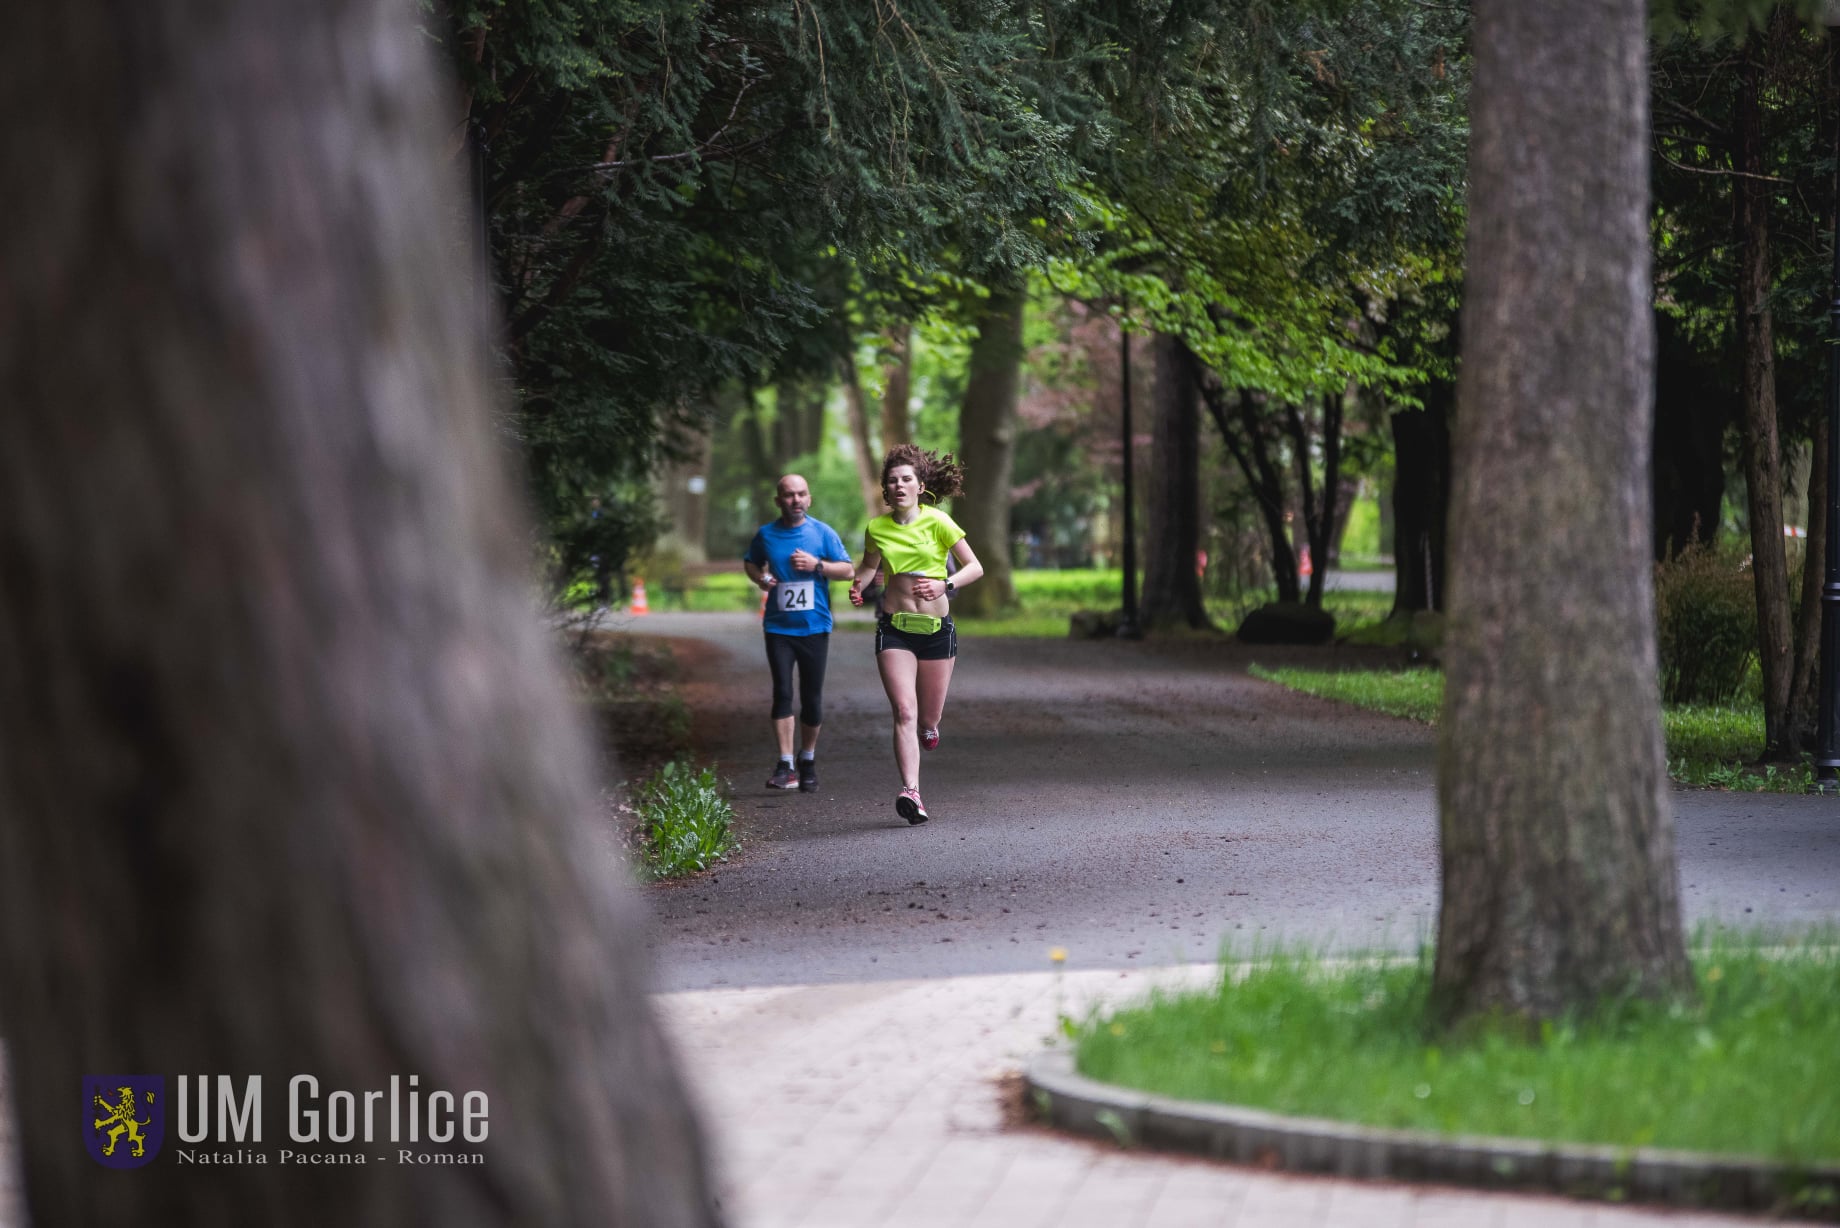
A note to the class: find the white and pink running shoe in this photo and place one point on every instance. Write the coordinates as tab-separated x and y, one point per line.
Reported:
910	807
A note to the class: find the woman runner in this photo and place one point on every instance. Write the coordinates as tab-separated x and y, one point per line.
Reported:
915	641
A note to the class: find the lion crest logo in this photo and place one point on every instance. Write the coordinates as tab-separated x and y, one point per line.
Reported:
124	1118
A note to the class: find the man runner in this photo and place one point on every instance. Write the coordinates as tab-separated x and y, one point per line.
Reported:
793	559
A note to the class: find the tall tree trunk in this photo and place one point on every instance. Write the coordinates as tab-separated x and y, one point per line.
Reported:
987	445
1318	505
1762	454
1172	590
1129	628
868	459
1347	490
897	388
1243	431
1559	879
1694	405
1421	501
761	458
1804	713
1804	689
799	427
291	784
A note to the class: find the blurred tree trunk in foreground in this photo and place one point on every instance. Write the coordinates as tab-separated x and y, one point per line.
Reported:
289	780
1559	879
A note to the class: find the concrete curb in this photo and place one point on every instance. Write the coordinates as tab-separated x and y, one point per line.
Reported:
1070	1101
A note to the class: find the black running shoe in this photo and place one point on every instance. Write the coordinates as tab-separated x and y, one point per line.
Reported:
808	776
782	777
909	806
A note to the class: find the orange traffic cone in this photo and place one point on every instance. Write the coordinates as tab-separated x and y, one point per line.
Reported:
638	602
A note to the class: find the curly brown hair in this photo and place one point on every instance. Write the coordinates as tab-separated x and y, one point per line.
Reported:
940	476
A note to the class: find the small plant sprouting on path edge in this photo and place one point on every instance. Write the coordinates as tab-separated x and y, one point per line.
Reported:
685	822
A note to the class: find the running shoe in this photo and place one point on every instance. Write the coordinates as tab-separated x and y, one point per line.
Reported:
808	776
929	738
782	777
910	807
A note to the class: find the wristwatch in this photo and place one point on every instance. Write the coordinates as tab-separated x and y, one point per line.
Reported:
950	588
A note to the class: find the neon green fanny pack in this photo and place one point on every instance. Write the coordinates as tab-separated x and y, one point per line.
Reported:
916	624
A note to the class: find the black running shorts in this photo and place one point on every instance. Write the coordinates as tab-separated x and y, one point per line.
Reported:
942	645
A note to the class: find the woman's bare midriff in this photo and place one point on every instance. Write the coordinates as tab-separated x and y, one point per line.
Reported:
899	597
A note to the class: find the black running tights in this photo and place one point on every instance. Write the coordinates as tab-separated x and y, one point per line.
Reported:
809	653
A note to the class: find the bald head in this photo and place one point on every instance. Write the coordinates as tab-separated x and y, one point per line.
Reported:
793	496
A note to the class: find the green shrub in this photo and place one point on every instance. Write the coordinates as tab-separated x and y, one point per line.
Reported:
1706	614
685	822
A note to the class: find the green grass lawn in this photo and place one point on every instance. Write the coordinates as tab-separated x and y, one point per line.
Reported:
1750	1068
1707	747
1045	600
1414	693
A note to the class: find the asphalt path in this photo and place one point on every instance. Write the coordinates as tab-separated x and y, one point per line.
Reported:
1132	804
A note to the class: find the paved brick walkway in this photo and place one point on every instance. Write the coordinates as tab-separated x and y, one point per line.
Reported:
877	1105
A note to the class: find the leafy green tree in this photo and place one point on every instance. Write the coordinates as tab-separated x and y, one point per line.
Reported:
1288	177
663	175
1744	192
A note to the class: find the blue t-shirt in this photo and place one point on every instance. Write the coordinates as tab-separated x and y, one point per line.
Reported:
800	604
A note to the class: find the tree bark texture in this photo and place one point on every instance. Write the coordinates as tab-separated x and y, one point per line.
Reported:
1802	717
1559	878
760	450
868	460
1762	449
897	389
1172	590
1421	501
987	446
799	402
289	780
1693	407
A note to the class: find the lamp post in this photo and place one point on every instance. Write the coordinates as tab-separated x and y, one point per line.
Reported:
1827	736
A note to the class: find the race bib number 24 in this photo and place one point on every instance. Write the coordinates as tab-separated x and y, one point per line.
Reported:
794	596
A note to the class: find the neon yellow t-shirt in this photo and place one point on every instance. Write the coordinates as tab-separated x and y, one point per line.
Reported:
919	546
